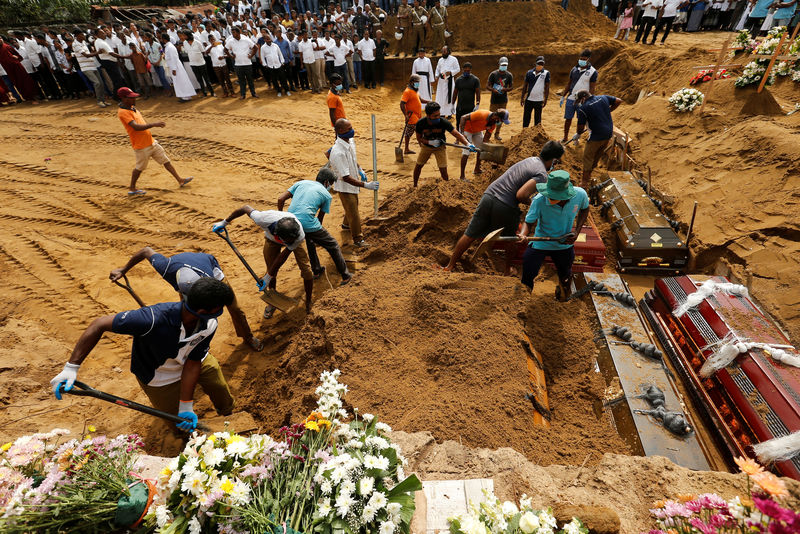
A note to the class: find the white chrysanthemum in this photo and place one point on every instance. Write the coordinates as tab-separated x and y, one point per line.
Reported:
240	494
366	485
368	514
324	508
174	481
368	417
163	516
354	444
378	500
239	448
215	457
377	442
371	462
194	483
394	508
194	526
191	465
401	474
386	527
326	487
509	509
383	463
383	427
472	525
343	504
573	527
529	522
338	474
347	487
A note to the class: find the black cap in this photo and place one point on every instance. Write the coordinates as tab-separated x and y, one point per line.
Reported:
540	60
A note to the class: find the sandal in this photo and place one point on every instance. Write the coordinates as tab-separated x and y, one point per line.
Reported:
255	343
187	180
269	311
136	192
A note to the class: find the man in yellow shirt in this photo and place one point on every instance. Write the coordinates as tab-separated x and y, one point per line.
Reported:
144	146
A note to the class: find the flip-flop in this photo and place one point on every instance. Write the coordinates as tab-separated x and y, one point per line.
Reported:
137	192
269	311
255	343
346	281
437	267
187	180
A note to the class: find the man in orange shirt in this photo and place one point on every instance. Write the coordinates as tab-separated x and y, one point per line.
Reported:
411	106
477	127
144	146
335	105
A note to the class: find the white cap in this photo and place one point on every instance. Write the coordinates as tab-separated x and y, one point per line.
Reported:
186	277
503	61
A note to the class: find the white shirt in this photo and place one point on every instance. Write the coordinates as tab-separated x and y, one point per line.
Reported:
271	56
307	51
173	36
265	219
171	370
366	47
240	50
195	52
124	49
26	62
215	53
652	9
104	48
320	41
344	163
537	91
78	49
339	53
33	49
671	8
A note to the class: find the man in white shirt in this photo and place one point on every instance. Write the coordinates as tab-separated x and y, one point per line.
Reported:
272	60
666	20
197	61
108	59
306	52
242	49
172	32
447	68
351	73
80	49
216	51
651	8
350	179
424	69
366	47
340	52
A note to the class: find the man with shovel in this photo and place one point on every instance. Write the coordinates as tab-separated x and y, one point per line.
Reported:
477	128
552	213
431	138
169	354
181	271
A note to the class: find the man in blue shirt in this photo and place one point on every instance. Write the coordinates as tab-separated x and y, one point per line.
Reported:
596	112
181	271
288	59
169	354
553	212
310	201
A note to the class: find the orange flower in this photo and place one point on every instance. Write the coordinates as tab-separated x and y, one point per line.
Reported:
771	484
751	467
685	497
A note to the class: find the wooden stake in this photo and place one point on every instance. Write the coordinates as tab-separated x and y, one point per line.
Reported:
717	63
771	63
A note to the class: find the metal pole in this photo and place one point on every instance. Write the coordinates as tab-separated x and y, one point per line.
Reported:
375	163
691	225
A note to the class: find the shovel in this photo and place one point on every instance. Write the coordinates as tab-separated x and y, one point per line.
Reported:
82	390
127	287
495	236
489	152
398	150
270	296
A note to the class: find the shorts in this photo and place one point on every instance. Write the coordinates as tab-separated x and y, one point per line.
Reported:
272	249
154	151
592	152
569	109
490	215
474	138
426	152
410	130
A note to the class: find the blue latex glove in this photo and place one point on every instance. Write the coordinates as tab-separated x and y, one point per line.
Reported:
472	148
186	411
363	175
264	282
561	102
218	227
66	377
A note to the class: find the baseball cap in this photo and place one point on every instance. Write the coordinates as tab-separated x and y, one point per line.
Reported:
126	92
504	117
186	277
540	60
503	60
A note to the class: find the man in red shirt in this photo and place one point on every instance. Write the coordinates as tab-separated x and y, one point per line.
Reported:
411	106
144	146
477	127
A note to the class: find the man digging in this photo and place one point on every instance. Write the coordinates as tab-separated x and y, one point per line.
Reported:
477	128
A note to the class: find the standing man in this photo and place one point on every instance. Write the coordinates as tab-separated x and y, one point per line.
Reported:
283	235
197	61
535	92
272	60
500	82
180	80
181	271
288	61
243	49
335	104
466	92
666	20
350	179
144	146
404	25
306	51
310	201
108	59
477	128
340	52
423	68
411	107
318	74
418	18
431	138
381	47
438	21
583	77
366	49
169	354
651	8
552	213
596	112
499	205
80	49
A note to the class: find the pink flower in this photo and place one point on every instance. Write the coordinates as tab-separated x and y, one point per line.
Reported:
674	509
772	509
702	527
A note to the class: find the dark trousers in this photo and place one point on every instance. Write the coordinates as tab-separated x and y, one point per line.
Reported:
329	70
369	73
287	73
536	107
460	112
325	240
754	25
533	258
664	22
201	73
644	28
341	70
112	69
245	75
278	77
379	72
49	85
224	78
302	75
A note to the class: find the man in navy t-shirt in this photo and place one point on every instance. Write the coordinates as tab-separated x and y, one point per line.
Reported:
184	269
596	112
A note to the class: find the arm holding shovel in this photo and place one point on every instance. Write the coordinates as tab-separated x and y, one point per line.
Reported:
145	254
83	347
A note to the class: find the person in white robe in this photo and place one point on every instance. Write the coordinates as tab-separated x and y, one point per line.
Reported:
447	68
176	71
422	66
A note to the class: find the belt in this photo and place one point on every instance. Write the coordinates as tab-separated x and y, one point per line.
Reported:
416	24
440	24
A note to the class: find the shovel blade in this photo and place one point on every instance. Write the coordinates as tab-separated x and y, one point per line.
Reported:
283	302
398	154
494	153
486	244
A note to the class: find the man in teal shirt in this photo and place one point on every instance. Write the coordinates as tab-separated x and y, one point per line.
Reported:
310	201
553	212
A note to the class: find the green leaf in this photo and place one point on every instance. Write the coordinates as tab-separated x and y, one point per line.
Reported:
513	524
410	484
455	526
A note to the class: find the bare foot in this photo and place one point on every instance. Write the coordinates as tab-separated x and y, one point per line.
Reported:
255	343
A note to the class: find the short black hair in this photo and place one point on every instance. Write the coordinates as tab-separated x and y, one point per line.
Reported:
326	176
467	65
432	107
551	150
586	53
335	76
208	294
288	229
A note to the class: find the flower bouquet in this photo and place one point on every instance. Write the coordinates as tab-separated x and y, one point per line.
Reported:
796	76
742	41
711	514
492	517
686	99
84	485
705	76
752	73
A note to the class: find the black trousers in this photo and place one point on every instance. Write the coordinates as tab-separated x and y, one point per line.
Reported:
245	75
325	240
49	85
201	73
460	112
112	69
368	73
533	258
302	75
536	107
644	28
278	77
665	22
288	72
379	72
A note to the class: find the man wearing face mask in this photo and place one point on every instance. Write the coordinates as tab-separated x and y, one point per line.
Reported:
431	138
466	93
552	213
581	78
477	128
499	84
447	69
335	104
596	112
535	92
350	179
499	205
422	67
411	107
169	354
310	200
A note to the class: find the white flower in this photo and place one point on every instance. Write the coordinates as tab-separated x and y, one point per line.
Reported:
240	494
194	483
162	516
387	527
194	526
401	474
365	486
378	500
347	487
383	463
326	487
471	525
238	447
368	417
324	508
573	527
509	509
383	427
368	514
190	466
529	522
394	508
338	475
354	444
343	504
174	481
215	457
371	462
377	442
